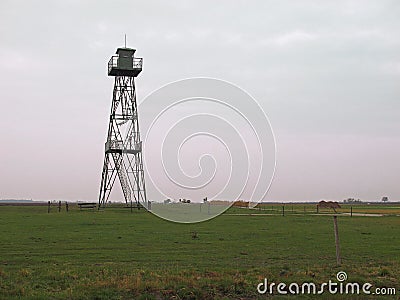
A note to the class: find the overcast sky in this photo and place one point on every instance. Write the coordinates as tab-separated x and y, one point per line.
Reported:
327	74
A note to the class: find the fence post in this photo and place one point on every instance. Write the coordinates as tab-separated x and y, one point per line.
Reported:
351	211
59	206
283	210
335	225
48	207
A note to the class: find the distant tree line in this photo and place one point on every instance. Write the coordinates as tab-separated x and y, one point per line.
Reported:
351	200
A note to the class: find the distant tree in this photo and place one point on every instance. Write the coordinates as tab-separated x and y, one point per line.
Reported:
385	199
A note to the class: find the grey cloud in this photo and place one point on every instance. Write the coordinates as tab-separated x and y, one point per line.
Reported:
326	69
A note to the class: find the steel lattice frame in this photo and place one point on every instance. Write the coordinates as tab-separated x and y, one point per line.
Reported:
123	149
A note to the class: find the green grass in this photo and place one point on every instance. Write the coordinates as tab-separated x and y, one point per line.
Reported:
115	254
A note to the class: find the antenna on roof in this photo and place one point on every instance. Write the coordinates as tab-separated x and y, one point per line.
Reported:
125	40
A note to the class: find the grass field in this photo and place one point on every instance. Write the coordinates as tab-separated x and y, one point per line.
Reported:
115	254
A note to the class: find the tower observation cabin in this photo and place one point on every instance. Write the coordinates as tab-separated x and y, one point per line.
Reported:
124	63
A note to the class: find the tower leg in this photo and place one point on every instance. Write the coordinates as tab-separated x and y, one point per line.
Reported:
107	181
